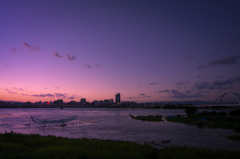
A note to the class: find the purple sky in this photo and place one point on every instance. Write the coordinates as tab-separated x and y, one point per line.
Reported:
146	50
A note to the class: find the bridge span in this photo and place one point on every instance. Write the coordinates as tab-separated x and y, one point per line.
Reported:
219	101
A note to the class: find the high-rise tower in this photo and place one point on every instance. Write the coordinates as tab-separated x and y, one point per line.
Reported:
117	98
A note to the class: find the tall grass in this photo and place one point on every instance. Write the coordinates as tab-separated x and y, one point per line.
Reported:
13	145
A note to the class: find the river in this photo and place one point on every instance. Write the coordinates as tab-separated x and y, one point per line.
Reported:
115	124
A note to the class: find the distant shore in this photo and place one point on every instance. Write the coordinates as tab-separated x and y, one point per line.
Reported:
120	106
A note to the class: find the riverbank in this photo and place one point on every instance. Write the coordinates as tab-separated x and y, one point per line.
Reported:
14	145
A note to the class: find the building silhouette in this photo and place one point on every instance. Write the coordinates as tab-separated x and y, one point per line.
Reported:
83	101
117	98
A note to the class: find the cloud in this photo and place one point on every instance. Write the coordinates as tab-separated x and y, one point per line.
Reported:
200	67
87	66
219	76
13	50
199	76
55	54
11	92
181	83
187	91
217	84
181	95
147	96
24	95
153	83
98	65
31	48
70	58
143	96
131	97
43	95
189	58
20	89
60	95
167	91
229	60
224	61
213	54
56	87
73	97
203	85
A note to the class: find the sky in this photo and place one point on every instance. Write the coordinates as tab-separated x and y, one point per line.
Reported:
148	51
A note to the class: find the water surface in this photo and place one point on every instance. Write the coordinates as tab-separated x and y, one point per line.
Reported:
115	124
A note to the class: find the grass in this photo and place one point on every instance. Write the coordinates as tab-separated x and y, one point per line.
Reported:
234	137
212	121
13	145
148	118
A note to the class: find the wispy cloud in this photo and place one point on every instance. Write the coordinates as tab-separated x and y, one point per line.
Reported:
31	48
13	50
43	95
229	60
181	95
20	89
98	65
166	91
224	61
87	66
55	54
143	96
70	58
201	66
60	95
181	83
189	58
11	92
199	76
153	83
219	76
217	84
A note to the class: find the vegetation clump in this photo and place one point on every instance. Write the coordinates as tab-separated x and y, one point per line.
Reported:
222	113
148	118
234	112
209	120
234	137
190	110
14	145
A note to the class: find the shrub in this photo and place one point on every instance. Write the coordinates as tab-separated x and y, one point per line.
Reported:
191	110
222	113
235	112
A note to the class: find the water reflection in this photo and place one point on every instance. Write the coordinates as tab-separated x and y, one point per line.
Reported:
115	124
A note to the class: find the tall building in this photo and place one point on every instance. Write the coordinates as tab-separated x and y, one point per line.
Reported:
117	98
83	101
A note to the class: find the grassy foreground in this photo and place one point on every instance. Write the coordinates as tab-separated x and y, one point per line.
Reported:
14	145
211	121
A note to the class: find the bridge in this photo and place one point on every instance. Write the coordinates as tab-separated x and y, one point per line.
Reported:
218	102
